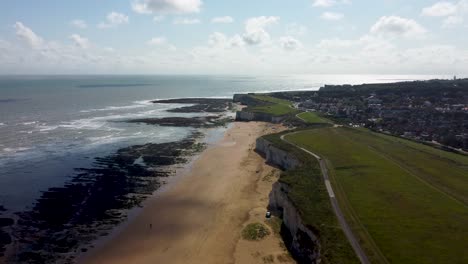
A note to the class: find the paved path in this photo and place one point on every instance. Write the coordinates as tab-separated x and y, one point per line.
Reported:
301	117
339	215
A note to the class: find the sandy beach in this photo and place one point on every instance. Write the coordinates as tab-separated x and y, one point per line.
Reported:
199	219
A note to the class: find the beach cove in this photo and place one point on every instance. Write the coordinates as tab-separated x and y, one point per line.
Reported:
199	219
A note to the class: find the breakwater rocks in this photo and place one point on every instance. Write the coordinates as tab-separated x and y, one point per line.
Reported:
299	239
65	220
198	105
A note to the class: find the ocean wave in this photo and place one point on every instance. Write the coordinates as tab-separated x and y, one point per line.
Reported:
29	123
136	104
45	128
16	150
2	124
105	122
109	85
194	97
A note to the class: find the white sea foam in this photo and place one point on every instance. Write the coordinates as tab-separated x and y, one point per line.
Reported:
2	124
15	150
102	122
29	123
43	127
136	104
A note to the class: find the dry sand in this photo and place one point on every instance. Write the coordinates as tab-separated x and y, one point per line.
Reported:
199	219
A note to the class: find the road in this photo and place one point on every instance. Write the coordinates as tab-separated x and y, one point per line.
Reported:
336	208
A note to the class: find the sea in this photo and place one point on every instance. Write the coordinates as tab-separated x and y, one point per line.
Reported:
50	125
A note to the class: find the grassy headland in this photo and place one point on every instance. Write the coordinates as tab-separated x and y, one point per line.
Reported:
312	117
308	193
271	105
405	201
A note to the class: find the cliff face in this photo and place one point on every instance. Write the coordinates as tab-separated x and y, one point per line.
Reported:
300	240
252	116
241	98
276	156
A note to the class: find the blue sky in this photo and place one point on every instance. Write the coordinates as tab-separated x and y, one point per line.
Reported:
233	37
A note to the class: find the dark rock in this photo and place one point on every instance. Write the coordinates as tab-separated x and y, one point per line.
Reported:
64	219
200	105
198	122
6	222
5	240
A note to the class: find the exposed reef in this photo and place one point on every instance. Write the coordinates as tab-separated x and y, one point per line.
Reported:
198	105
197	122
65	220
5	238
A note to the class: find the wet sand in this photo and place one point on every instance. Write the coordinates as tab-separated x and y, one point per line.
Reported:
199	219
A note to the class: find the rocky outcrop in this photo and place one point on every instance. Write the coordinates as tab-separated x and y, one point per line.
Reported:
299	239
253	116
276	156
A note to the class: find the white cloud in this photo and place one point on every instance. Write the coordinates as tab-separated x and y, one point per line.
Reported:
157	41
223	19
166	6
324	3
337	43
220	40
158	18
27	35
161	42
255	32
186	21
397	26
452	21
290	43
296	29
329	3
80	41
78	23
440	9
114	19
331	16
454	13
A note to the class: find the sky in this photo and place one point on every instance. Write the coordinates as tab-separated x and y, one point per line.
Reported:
234	37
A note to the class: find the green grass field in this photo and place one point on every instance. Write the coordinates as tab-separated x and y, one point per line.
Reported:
308	193
312	117
406	202
274	106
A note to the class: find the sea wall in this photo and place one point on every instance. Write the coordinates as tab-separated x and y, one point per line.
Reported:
253	116
300	240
